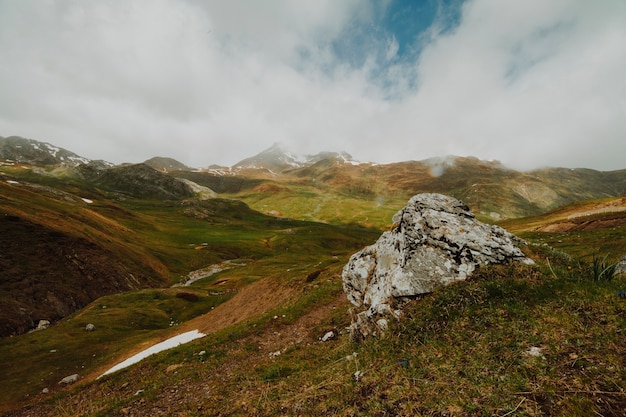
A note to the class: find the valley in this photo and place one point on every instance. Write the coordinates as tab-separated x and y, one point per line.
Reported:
252	256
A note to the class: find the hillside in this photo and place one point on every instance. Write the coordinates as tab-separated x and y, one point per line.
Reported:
322	191
586	229
61	251
142	181
525	340
320	187
164	164
143	256
30	151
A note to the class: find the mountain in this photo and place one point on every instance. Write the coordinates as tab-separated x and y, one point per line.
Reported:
489	188
166	164
320	187
277	159
30	151
142	181
59	253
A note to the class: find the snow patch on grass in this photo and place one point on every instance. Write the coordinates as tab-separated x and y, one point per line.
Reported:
159	347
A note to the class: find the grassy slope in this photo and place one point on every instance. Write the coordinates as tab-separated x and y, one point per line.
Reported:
584	229
462	352
178	236
370	194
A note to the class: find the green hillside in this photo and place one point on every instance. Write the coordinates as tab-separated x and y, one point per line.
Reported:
120	243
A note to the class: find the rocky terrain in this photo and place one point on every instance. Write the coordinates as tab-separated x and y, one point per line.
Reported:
434	241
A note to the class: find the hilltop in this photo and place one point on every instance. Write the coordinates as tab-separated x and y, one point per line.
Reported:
18	149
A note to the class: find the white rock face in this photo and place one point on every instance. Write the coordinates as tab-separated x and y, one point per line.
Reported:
435	241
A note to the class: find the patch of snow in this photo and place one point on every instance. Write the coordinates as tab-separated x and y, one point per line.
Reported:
159	347
328	336
12	182
86	200
52	149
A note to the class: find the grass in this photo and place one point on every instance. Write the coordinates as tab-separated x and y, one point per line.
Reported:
463	350
176	237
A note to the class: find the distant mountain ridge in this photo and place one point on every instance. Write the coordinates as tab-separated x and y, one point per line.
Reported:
30	151
491	189
277	159
165	164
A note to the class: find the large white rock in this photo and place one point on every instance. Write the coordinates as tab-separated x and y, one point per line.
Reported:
435	240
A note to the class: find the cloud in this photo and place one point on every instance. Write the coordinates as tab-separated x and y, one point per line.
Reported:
529	83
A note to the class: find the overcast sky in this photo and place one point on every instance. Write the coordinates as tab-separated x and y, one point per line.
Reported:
530	83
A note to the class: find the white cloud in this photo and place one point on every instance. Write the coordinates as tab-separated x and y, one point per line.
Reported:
530	83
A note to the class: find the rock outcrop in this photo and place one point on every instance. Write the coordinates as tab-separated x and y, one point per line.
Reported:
435	240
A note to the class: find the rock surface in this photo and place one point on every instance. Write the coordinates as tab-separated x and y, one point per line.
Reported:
69	379
435	241
620	268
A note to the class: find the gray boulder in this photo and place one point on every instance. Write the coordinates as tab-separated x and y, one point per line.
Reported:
435	240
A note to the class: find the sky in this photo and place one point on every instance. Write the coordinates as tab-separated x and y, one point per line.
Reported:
529	83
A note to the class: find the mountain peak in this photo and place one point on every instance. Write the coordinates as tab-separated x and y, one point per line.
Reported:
277	158
165	164
30	151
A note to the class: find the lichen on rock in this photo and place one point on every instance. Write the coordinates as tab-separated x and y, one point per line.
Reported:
435	240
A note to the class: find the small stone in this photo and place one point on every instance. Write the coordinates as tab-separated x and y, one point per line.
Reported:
172	368
43	324
45	390
90	327
535	352
328	336
202	353
274	354
69	379
382	324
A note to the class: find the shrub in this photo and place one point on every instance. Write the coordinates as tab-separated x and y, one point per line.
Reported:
603	271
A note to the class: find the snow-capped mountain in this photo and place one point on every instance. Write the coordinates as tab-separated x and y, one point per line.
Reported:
30	151
277	159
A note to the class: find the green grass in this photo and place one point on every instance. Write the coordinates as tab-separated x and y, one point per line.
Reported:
40	359
459	351
327	206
